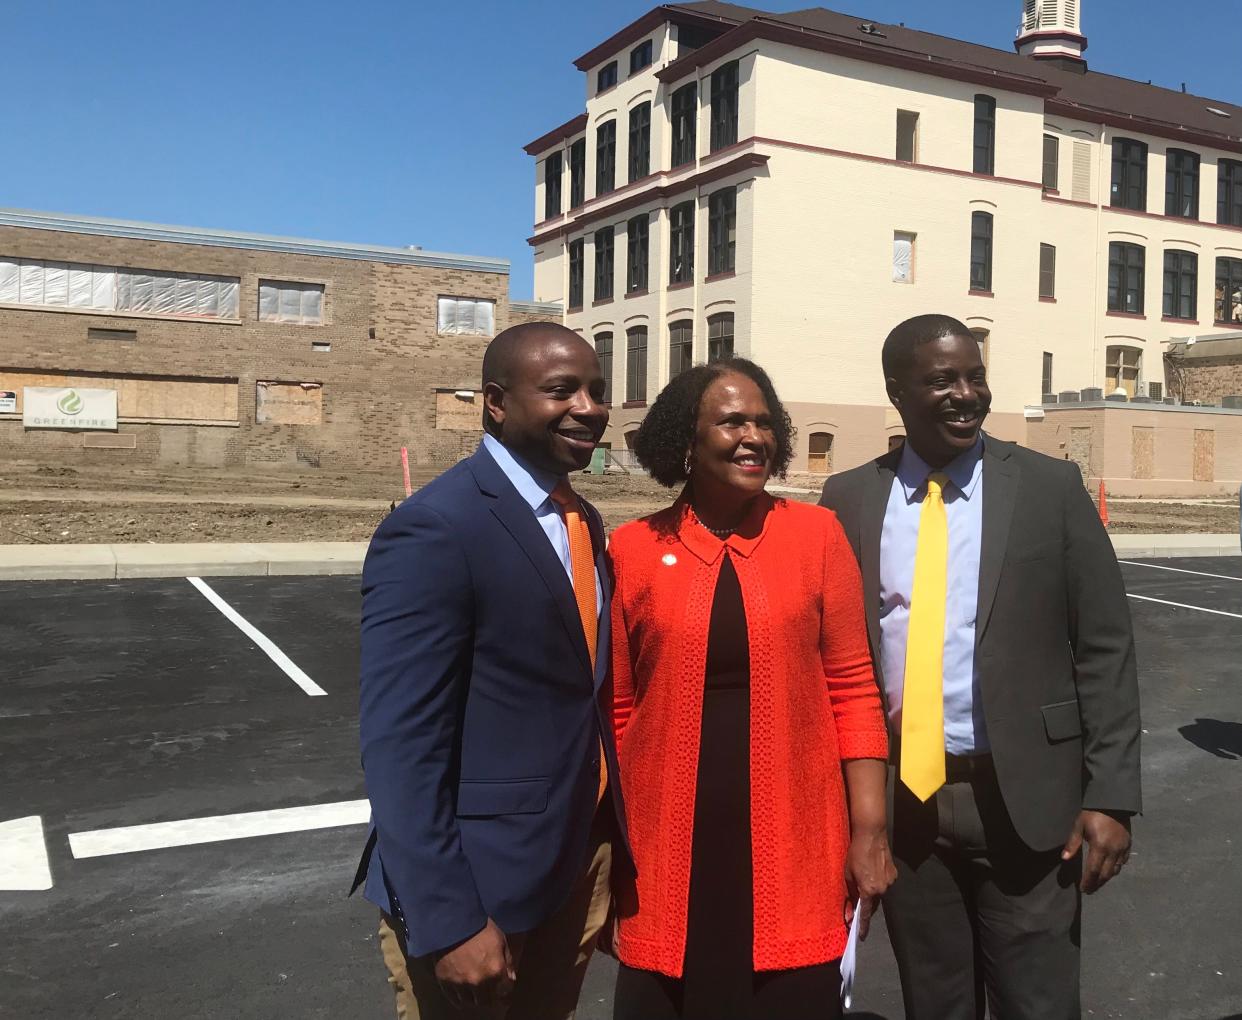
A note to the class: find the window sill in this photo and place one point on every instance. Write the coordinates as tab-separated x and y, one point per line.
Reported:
1048	300
573	308
601	301
149	316
604	92
1174	318
1054	192
980	293
1125	315
680	286
1184	219
1227	324
1126	208
605	194
636	293
634	403
728	274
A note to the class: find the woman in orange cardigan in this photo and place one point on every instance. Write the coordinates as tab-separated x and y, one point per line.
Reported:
748	722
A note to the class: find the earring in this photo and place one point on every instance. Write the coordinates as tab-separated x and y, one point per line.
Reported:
685	467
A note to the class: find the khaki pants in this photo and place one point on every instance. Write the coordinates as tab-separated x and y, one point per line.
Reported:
551	960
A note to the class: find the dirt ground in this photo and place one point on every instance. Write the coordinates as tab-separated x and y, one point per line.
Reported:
42	504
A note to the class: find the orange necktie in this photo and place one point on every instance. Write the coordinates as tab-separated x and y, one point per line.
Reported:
582	564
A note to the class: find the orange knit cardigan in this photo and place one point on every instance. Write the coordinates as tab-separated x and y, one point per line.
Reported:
813	704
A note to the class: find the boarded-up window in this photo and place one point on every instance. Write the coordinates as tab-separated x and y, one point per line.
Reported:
1205	455
161	398
1142	451
465	316
1122	369
286	301
286	403
459	410
1080	185
819	453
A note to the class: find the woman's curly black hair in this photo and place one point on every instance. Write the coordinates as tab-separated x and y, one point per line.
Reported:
667	433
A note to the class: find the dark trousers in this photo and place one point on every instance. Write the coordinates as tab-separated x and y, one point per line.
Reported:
976	917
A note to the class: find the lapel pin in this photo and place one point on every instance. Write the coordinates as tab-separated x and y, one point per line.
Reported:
668	559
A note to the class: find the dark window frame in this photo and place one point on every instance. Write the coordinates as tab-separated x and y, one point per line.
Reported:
605	263
724	105
1181	184
577	271
722	231
606	158
553	174
606	77
603	351
685	124
636	364
680	347
640	142
577	173
1052	163
1181	284
1046	374
981	241
1127	277
1229	192
681	242
637	246
1228	283
1129	180
1047	271
985	135
720	336
641	56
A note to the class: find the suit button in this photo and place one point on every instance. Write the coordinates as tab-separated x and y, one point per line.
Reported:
595	763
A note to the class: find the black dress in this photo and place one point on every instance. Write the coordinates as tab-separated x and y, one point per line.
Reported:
719	982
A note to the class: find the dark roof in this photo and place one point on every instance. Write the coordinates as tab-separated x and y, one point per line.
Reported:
567	130
706	14
1090	96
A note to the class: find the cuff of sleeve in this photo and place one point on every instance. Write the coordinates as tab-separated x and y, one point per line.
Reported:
864	745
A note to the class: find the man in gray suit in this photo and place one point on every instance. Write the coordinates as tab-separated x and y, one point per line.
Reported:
996	614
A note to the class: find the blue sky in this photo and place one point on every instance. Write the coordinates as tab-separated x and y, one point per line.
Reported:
390	122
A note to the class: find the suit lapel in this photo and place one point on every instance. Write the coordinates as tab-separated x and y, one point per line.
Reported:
515	514
1000	490
870	529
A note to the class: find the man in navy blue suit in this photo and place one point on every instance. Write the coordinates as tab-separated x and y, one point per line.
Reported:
485	730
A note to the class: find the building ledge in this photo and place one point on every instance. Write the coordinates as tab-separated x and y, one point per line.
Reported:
1176	318
601	301
680	286
1125	315
728	274
1048	300
637	293
980	293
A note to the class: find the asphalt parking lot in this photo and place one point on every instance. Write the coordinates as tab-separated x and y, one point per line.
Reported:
181	807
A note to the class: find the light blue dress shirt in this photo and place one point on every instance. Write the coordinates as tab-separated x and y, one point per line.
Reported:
535	487
965	731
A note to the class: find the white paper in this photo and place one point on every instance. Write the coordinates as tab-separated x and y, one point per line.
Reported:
849	959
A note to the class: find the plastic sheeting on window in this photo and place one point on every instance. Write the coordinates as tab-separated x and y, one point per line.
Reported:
109	289
903	258
465	317
286	301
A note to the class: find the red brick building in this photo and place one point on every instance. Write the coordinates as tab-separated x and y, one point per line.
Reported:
230	350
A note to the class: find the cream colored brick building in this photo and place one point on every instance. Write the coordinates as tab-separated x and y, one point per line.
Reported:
832	177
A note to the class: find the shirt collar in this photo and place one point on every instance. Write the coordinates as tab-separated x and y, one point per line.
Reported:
963	471
533	484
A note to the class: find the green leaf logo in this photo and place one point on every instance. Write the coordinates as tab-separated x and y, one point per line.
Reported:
70	403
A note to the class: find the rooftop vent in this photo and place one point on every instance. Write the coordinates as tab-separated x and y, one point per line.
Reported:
869	28
1218	112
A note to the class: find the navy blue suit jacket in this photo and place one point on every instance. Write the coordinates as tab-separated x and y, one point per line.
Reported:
480	715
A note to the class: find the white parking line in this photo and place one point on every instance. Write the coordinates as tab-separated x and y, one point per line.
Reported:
129	839
1182	605
1179	570
24	866
259	638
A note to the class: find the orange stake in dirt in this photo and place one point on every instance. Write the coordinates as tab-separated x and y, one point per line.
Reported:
1103	505
405	471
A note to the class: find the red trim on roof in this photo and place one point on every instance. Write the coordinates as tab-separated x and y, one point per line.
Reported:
1143	125
1073	37
558	134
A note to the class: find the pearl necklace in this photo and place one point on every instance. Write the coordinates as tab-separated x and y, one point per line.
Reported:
718	532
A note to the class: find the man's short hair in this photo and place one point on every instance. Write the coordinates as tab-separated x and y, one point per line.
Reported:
507	349
899	345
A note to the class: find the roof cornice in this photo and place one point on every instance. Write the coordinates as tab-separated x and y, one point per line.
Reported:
1143	125
557	134
31	220
634	31
857	49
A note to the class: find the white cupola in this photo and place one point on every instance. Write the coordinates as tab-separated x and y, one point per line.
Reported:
1052	30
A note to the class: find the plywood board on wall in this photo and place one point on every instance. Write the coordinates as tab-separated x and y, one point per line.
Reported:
175	399
459	413
1142	451
1205	455
1080	448
288	403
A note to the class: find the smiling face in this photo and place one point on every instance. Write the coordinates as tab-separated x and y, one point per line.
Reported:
549	411
943	397
734	443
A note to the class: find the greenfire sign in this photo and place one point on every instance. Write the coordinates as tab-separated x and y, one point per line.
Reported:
68	407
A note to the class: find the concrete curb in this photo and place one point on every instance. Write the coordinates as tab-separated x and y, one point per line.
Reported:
190	559
288	559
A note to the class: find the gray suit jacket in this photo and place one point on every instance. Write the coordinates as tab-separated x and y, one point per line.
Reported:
1053	641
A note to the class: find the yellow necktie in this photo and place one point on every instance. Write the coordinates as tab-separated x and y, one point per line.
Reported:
582	564
922	700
